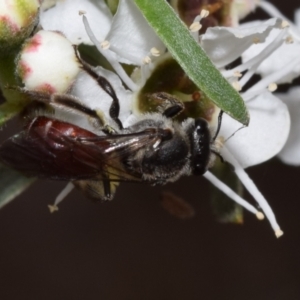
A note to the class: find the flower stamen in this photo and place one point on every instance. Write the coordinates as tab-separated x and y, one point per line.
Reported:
285	24
195	27
155	52
252	64
52	208
289	40
256	40
231	194
237	74
204	13
253	190
105	45
274	12
147	60
272	87
273	77
111	57
236	85
260	216
60	197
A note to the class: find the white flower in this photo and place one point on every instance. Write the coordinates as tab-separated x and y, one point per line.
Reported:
128	40
269	117
282	66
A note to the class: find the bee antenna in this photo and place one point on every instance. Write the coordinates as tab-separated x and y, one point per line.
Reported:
219	125
234	133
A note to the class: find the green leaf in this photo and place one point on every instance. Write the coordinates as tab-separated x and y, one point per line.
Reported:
12	184
192	58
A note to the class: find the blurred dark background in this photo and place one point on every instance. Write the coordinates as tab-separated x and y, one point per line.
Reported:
132	249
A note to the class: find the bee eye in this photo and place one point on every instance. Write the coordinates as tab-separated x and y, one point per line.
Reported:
201	126
167	135
201	147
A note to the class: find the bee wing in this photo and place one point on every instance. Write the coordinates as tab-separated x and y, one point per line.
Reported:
58	150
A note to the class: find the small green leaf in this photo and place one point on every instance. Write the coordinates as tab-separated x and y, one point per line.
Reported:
192	58
12	184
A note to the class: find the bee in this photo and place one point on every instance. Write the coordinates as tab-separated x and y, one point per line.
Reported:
156	149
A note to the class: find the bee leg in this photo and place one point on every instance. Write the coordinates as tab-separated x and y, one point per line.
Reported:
69	103
97	190
167	104
219	124
106	86
108	130
107	190
96	116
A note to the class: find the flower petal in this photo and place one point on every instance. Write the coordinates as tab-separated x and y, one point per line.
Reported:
65	17
223	44
266	135
290	154
131	37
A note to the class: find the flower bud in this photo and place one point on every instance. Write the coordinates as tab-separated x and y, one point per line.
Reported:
48	63
17	20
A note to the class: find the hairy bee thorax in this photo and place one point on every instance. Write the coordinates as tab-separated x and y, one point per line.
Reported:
176	149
